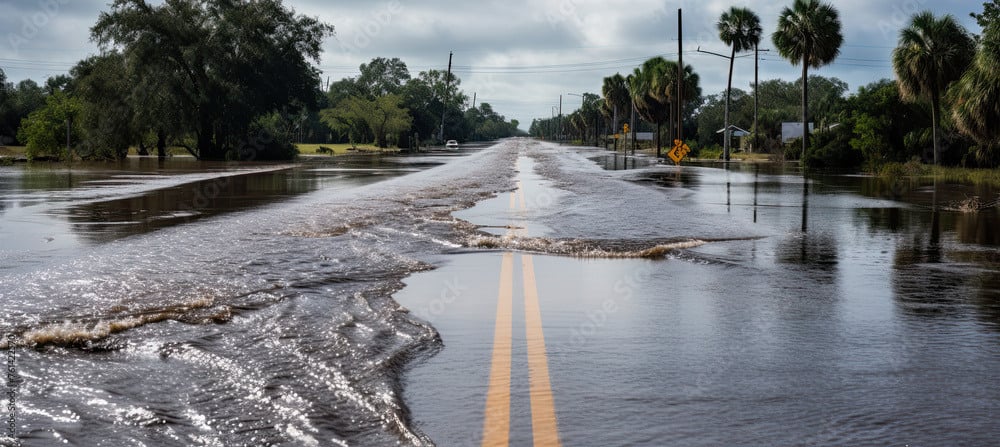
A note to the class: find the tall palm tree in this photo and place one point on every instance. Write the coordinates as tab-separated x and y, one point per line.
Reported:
664	89
976	97
740	29
932	53
646	85
809	34
616	97
653	90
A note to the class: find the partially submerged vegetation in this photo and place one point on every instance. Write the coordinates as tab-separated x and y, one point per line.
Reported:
228	81
167	77
942	108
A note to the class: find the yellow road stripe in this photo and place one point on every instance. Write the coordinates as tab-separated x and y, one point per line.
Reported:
524	203
544	428
496	424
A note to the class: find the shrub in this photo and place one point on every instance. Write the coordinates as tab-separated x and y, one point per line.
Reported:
44	130
793	150
831	149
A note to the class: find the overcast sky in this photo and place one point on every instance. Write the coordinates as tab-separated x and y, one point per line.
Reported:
518	55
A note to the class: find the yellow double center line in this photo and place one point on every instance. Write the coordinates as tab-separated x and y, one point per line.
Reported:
496	425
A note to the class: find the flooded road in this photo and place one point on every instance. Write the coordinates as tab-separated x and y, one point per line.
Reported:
522	294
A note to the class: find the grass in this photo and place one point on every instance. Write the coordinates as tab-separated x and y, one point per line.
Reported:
967	175
338	149
12	151
304	149
948	174
171	150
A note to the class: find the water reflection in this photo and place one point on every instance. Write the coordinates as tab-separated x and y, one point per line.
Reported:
676	177
979	228
814	253
987	299
102	221
756	190
146	194
805	206
620	162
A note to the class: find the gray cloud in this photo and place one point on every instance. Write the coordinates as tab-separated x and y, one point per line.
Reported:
520	55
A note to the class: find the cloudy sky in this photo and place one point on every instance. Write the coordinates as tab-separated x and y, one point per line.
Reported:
518	55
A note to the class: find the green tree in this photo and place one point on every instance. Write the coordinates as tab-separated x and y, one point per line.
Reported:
106	114
740	29
932	53
8	126
976	96
712	114
990	14
425	97
649	103
44	130
809	33
382	77
894	118
58	83
229	62
590	116
653	90
616	95
21	99
383	115
869	138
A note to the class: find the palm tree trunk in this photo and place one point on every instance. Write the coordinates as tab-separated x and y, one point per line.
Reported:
614	125
805	105
729	91
657	141
935	111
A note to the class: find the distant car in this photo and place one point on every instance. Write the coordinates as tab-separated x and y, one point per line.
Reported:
451	145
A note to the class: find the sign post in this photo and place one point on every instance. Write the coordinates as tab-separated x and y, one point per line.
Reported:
625	134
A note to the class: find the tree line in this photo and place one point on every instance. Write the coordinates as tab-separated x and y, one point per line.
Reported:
942	107
227	80
389	106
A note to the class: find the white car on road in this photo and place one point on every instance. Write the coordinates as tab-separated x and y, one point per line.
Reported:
451	145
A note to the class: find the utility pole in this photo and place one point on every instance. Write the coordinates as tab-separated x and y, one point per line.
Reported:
444	105
756	95
560	119
725	132
552	122
680	75
474	99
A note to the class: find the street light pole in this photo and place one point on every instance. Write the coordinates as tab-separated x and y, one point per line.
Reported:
552	129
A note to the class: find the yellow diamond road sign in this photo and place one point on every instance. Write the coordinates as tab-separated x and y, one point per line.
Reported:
679	151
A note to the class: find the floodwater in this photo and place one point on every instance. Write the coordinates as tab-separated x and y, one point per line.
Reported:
352	302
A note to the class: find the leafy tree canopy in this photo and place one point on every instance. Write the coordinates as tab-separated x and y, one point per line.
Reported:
227	62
